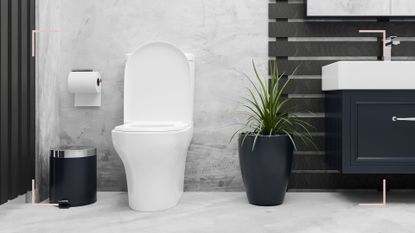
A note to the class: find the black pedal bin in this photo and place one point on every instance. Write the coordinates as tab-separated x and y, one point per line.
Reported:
73	175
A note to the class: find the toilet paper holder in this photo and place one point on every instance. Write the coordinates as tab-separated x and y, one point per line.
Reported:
86	86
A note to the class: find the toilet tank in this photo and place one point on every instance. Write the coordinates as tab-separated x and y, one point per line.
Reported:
158	84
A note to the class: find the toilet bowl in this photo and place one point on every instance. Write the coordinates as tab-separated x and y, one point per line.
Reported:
158	124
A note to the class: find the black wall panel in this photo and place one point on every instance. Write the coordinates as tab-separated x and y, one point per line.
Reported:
17	98
311	43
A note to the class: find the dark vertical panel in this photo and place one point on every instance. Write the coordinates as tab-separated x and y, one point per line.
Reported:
17	98
24	79
14	101
4	100
31	96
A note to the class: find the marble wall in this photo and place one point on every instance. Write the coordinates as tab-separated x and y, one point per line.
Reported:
48	65
224	35
403	7
360	7
348	7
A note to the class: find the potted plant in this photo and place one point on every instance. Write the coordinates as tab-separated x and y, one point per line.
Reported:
267	139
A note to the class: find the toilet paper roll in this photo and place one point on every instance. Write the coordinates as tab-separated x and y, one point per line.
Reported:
84	82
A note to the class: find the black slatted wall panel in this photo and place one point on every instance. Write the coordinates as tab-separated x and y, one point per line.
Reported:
17	98
296	40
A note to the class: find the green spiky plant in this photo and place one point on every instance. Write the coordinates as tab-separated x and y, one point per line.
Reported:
264	108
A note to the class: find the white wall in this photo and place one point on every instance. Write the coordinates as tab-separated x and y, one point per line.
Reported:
224	35
48	66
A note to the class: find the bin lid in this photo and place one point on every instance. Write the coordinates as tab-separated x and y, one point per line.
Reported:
73	152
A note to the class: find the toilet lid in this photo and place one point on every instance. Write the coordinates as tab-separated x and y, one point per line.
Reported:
157	84
152	126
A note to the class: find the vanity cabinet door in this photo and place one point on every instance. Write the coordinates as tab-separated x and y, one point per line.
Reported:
377	142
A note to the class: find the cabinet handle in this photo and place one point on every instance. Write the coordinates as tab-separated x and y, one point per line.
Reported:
394	118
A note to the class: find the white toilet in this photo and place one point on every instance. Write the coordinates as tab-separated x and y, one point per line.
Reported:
158	124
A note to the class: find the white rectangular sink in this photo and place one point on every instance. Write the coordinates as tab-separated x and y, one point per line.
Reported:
369	75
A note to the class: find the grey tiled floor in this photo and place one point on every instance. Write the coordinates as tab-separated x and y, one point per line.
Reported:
220	212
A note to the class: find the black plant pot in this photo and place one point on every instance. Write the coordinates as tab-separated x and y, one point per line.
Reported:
266	169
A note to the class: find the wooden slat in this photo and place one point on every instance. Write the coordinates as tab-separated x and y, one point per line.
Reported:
406	48
297	10
310	67
303	86
313	49
318	125
319	144
14	101
281	10
304	105
4	101
338	29
338	48
32	96
24	101
317	161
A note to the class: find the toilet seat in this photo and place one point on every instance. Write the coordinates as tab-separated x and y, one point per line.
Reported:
153	126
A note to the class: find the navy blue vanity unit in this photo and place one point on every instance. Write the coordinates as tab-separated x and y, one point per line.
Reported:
364	135
370	117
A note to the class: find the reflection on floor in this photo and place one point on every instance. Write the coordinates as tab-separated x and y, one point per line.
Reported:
221	212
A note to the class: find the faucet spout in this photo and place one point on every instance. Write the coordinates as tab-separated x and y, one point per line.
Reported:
389	43
385	51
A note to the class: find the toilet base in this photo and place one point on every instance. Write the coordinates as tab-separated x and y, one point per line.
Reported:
154	165
165	204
